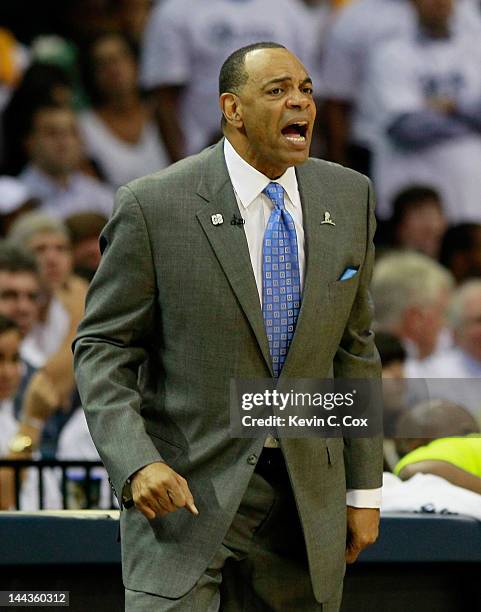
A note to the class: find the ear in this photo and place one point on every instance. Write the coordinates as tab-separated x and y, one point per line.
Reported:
231	108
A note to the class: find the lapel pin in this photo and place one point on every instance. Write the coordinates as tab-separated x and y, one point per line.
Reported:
327	219
217	219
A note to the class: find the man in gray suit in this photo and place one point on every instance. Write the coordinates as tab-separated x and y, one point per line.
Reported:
178	308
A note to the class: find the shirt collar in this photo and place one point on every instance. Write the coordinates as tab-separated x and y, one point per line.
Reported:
249	183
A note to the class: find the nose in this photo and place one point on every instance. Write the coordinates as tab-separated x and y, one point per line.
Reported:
298	99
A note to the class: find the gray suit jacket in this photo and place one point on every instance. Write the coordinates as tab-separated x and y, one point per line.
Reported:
173	314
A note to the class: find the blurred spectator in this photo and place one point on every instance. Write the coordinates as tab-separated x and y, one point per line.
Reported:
463	360
411	293
74	443
85	231
15	200
356	33
393	355
440	438
418	221
62	299
20	289
119	133
42	84
461	251
186	42
394	391
87	18
424	94
10	374
52	175
132	16
13	60
19	294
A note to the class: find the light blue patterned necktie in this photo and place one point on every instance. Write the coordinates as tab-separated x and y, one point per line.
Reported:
281	287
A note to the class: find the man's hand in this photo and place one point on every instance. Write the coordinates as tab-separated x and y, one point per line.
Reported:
41	398
158	490
362	530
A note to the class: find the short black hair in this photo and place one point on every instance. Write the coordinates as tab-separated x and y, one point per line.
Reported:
233	75
16	259
390	348
458	238
88	67
413	198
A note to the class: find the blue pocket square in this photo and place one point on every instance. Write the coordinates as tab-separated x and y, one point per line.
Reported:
348	273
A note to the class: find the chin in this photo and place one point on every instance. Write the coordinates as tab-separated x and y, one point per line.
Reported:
297	157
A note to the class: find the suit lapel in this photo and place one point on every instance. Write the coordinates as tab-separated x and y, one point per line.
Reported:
320	243
229	242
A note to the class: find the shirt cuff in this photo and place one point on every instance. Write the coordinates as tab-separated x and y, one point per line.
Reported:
364	498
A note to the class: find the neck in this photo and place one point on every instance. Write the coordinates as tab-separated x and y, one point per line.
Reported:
61	177
437	31
122	103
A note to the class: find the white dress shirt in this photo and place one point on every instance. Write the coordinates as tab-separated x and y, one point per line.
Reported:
255	208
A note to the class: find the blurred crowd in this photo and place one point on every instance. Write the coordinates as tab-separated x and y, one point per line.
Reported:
95	93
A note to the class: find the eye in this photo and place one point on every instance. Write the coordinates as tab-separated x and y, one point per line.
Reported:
308	90
276	91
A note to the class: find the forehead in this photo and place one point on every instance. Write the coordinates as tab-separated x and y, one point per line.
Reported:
54	118
23	277
48	238
262	65
109	45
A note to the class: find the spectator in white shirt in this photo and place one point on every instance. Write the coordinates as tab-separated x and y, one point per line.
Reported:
62	300
118	131
185	42
356	33
52	175
463	360
455	374
423	95
411	294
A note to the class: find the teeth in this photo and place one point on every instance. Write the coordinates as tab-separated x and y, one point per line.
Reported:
295	138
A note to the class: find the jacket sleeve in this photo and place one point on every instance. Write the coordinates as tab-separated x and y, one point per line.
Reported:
358	358
113	340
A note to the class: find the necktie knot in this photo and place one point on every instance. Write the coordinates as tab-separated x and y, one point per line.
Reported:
275	192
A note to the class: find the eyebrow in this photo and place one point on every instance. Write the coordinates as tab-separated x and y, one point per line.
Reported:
286	77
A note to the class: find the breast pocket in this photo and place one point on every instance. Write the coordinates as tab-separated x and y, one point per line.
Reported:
343	291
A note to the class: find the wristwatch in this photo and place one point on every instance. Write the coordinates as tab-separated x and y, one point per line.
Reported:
20	443
127	499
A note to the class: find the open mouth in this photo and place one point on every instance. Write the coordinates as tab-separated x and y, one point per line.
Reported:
295	132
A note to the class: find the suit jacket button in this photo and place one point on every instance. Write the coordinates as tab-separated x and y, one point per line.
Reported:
252	459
